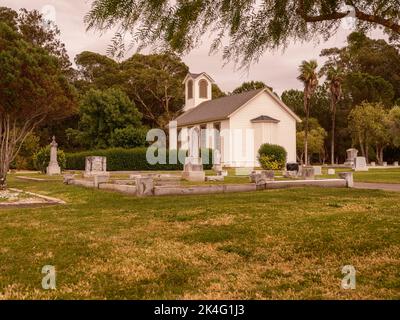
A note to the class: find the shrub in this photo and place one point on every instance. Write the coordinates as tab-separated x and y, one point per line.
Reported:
272	156
119	159
129	137
41	159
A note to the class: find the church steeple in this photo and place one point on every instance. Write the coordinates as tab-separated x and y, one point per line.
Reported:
198	88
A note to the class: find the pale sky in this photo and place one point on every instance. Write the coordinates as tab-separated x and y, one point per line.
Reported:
278	70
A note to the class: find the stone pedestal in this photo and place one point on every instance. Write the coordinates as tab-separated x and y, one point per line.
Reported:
53	167
348	176
193	170
396	163
145	186
351	155
95	166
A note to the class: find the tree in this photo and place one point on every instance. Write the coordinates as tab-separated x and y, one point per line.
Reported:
369	124
102	113
316	140
359	87
252	85
153	82
251	27
394	125
374	57
308	75
217	92
33	29
335	79
33	91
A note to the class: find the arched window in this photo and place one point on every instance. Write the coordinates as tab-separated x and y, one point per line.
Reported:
190	89
203	86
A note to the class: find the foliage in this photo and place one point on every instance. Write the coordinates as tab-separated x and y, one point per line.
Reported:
129	137
24	159
41	159
272	156
33	91
394	125
252	85
153	82
360	87
369	125
119	159
250	27
369	56
316	138
309	77
104	112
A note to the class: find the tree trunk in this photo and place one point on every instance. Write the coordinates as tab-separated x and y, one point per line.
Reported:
367	153
306	160
333	136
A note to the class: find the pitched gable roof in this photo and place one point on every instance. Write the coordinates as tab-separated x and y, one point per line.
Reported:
222	108
194	76
264	119
217	109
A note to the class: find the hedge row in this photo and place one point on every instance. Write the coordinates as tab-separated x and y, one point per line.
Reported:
119	159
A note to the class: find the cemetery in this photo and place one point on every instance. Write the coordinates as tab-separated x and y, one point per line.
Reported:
149	172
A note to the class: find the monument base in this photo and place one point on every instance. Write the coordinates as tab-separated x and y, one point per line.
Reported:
53	169
194	176
193	170
95	174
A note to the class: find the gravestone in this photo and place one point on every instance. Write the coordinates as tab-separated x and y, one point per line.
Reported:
351	155
317	170
307	173
360	164
331	172
145	186
396	163
53	167
193	168
217	167
373	164
68	178
95	166
385	164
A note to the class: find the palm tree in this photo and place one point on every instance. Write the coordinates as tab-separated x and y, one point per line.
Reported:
335	79
308	75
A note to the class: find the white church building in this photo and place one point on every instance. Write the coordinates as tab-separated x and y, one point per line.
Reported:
235	125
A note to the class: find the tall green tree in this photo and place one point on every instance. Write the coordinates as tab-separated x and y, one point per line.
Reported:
369	124
316	139
252	27
309	77
335	80
33	91
103	114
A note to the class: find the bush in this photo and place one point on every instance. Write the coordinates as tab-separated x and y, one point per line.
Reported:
272	157
41	159
129	137
119	159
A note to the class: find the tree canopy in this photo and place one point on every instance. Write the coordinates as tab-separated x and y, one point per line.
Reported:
33	90
250	27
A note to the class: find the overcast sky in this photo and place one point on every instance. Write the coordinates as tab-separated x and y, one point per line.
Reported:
278	70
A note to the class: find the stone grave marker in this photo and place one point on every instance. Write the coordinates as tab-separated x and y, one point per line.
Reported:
360	164
53	167
95	166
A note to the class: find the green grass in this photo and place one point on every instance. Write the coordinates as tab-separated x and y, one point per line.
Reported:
262	245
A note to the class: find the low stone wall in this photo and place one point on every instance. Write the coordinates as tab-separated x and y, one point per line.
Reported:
192	190
128	189
326	183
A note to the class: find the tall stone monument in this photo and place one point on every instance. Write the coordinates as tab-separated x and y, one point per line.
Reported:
53	167
351	155
193	168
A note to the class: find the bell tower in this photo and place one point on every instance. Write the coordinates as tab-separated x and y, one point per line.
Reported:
198	89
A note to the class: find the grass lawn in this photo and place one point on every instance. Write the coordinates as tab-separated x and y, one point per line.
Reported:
262	245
